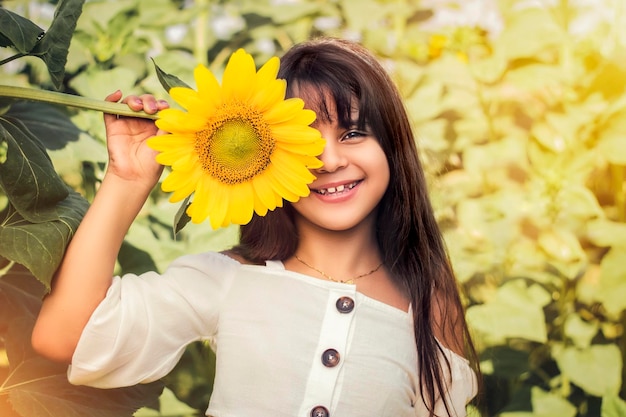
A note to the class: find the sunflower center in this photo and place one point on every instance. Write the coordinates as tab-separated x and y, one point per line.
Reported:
236	145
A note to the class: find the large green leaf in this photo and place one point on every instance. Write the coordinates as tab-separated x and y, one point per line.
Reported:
49	124
528	32
40	245
54	46
516	311
596	369
612	138
18	31
612	286
39	388
22	292
27	176
613	406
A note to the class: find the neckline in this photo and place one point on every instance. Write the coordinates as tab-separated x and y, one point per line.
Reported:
279	265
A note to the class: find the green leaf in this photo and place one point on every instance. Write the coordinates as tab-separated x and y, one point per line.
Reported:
182	218
27	176
527	33
607	233
612	138
544	404
549	404
99	83
612	286
18	31
516	311
169	406
22	293
168	80
134	260
580	331
54	46
597	369
613	406
39	388
505	361
40	245
561	245
51	125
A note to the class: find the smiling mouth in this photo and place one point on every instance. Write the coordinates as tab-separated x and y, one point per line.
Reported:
337	189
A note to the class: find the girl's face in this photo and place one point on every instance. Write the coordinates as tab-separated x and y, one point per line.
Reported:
352	181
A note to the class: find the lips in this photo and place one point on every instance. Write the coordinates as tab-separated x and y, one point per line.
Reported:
336	189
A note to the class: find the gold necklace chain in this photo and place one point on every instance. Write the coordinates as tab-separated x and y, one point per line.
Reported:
328	277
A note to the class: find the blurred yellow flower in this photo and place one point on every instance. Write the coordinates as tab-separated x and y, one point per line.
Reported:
238	148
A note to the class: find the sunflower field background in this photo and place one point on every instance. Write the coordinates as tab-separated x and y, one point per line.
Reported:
520	110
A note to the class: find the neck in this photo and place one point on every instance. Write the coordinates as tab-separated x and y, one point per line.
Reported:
341	254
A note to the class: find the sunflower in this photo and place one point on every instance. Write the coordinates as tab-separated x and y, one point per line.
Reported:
239	148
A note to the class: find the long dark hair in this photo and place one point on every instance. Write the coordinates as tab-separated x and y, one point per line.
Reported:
408	235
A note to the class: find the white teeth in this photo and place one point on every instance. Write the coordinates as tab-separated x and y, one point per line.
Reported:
338	189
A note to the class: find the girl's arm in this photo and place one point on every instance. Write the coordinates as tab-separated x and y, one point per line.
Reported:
86	270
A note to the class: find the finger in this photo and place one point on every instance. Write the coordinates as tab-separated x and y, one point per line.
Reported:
163	104
150	104
115	96
134	103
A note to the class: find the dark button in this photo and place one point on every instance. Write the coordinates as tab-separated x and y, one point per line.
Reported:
345	305
330	358
319	411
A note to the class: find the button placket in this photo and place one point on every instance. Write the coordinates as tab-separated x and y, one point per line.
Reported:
332	346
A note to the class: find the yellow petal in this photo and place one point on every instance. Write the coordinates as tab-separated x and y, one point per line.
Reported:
209	88
292	133
241	203
281	187
185	187
291	167
199	208
264	193
284	111
268	72
270	96
220	203
186	97
177	121
239	77
171	141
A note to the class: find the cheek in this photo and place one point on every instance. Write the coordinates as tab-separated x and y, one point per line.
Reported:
381	167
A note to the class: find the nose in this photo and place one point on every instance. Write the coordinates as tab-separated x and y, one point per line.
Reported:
333	157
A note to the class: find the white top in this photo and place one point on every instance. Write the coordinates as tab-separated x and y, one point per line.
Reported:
271	330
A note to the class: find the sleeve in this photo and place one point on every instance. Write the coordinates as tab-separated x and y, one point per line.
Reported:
461	389
140	330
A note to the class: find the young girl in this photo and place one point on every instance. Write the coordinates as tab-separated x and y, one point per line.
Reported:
342	304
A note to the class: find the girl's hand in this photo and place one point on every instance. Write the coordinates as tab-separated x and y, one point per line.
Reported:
130	158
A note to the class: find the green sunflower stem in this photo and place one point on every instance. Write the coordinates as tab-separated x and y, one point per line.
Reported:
70	100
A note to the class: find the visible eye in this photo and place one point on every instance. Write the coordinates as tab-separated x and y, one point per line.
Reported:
353	134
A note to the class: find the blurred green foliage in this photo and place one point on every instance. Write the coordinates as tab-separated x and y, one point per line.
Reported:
520	111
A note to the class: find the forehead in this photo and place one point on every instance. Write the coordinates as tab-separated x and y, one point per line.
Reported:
328	105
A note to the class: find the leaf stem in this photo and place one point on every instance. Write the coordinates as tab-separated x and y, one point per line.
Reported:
7	268
12	58
72	101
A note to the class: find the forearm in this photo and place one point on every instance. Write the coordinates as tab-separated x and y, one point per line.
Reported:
85	273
